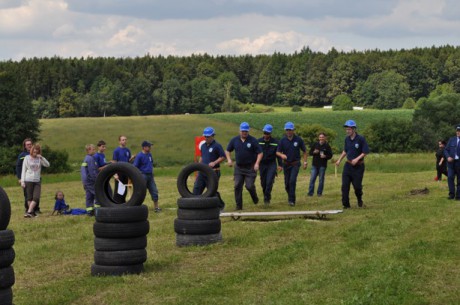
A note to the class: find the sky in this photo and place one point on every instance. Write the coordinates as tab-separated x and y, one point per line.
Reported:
134	28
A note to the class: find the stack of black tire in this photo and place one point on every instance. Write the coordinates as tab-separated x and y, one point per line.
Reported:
198	222
7	254
120	230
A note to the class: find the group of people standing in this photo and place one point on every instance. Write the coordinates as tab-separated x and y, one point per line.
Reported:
95	162
269	156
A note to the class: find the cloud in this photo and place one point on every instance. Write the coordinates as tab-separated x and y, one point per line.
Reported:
273	41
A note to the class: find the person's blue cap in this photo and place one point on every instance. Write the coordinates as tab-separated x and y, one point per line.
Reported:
146	143
350	123
208	132
289	126
458	127
244	126
268	128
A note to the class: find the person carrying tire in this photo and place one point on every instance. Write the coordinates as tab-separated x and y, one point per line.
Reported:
144	162
289	151
212	154
121	154
270	163
88	178
248	154
355	149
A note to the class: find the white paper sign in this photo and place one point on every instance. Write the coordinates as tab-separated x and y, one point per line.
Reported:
121	188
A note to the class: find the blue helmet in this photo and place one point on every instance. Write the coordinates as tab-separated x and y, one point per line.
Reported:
244	126
208	132
289	126
350	123
268	128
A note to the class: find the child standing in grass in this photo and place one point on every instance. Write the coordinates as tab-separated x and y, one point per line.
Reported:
88	177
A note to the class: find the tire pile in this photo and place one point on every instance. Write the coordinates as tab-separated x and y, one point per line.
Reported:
7	254
120	230
198	222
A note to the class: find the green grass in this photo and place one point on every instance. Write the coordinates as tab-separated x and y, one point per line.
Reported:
401	249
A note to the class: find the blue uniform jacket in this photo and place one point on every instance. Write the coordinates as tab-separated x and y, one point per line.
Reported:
269	149
89	170
292	148
211	153
451	150
144	162
245	152
121	154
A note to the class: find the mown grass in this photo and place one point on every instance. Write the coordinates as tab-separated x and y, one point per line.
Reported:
401	249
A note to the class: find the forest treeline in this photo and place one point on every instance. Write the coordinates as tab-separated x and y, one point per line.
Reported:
74	87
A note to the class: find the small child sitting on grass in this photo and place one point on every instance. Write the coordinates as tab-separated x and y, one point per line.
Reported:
60	207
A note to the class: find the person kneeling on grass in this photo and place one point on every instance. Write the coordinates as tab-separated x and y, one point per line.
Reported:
88	177
60	207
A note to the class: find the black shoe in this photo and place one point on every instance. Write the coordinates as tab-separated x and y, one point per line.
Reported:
319	195
346	207
256	201
238	208
451	197
310	195
360	204
266	202
292	204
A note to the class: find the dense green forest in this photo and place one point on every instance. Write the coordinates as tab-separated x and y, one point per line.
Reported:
73	87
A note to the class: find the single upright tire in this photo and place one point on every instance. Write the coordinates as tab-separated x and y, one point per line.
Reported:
198	203
5	209
122	214
6	239
98	270
121	230
211	176
102	181
197	227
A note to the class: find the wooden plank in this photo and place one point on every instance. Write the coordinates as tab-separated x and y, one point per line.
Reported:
280	213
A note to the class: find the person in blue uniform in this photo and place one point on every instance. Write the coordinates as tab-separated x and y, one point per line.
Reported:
321	152
270	163
289	151
452	154
121	154
99	156
355	149
248	154
144	162
212	154
88	177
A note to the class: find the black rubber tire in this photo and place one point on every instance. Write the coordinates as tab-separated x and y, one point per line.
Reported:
120	258
6	277
7	257
120	244
6	296
121	230
184	240
5	209
198	203
122	214
197	227
139	185
6	239
198	214
211	176
97	270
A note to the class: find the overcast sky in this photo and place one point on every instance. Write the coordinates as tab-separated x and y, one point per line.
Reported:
130	28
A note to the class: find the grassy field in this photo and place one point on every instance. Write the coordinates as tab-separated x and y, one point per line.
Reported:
173	136
400	249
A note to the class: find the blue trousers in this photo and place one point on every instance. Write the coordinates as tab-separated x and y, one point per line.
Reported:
453	170
151	186
290	180
352	175
247	177
200	185
90	195
315	172
267	178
